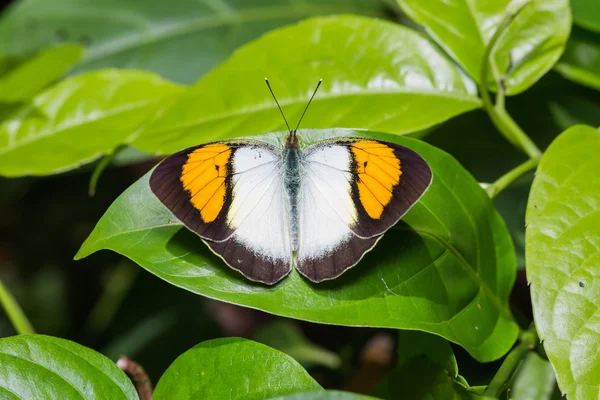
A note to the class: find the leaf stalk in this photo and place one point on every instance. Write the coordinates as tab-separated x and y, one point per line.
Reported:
14	311
505	180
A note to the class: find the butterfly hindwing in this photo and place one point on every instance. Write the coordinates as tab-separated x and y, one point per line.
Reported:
353	191
231	194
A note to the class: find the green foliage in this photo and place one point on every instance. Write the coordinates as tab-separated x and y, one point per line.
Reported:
450	273
386	78
586	13
179	39
563	243
232	368
89	115
527	49
581	61
43	367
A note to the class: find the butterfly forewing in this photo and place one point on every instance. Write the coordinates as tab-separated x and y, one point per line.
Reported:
231	194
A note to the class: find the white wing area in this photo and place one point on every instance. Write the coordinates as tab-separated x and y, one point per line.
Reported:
259	211
325	206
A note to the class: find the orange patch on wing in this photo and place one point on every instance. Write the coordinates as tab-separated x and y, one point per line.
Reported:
203	176
379	173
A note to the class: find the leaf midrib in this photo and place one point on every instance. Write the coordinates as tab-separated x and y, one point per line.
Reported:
119	44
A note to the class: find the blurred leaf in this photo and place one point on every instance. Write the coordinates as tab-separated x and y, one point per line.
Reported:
563	253
179	39
449	273
575	110
423	379
586	13
78	120
376	75
22	81
420	344
530	46
286	337
534	380
324	395
581	61
45	367
232	368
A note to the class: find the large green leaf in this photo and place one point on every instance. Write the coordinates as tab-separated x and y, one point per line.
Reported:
530	46
533	380
562	258
22	79
376	75
581	61
419	344
78	120
178	39
586	13
324	395
232	368
45	367
448	269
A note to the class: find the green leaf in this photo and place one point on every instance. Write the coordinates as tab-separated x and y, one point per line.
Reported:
78	120
324	395
376	75
419	344
581	61
586	13
562	258
447	269
45	367
232	368
286	337
22	79
530	46
179	39
534	380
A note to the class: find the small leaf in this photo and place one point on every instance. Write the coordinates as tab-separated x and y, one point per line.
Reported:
526	51
534	380
586	14
45	367
286	337
180	39
448	273
562	258
324	395
376	75
78	120
420	344
232	368
581	61
22	81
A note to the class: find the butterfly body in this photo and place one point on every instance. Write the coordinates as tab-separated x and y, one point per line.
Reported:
264	209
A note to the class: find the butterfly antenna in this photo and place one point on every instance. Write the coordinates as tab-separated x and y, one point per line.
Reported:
278	106
312	97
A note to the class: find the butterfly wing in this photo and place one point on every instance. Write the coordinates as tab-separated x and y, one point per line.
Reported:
231	194
353	190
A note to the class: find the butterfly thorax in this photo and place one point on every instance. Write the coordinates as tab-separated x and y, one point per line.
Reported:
292	181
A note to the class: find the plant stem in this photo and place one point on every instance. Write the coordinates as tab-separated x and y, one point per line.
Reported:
498	384
505	180
14	311
102	165
498	114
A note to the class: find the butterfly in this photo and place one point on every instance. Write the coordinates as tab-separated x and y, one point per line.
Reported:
264	209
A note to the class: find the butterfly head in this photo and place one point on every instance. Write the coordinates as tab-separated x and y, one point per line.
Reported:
293	141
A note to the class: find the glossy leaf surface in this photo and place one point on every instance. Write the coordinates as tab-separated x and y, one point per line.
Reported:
79	120
376	75
581	61
179	39
232	368
447	269
530	46
45	367
22	79
562	258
